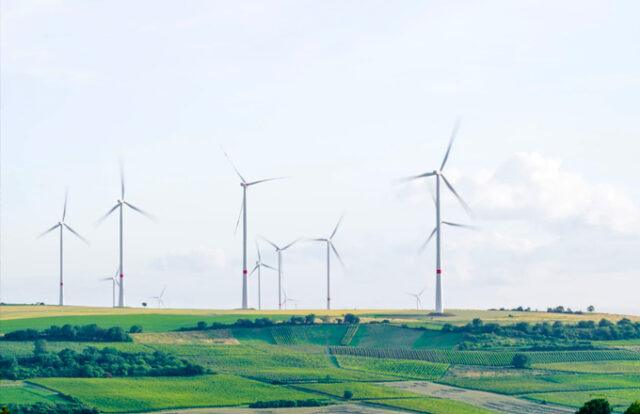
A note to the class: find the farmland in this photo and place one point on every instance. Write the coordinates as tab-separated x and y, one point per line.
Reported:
389	361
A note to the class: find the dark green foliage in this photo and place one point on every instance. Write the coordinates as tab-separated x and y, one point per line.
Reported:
562	309
85	333
595	406
350	318
634	408
93	362
257	323
521	361
135	329
288	403
46	408
347	395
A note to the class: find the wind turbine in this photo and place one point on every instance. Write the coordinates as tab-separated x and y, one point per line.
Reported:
120	205
243	213
259	265
330	247
418	297
436	231
159	297
114	283
62	225
279	251
288	299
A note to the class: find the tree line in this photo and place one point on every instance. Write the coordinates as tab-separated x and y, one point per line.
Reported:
309	319
85	333
94	362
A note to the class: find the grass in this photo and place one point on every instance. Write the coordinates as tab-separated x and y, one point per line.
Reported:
19	392
146	394
620	399
596	367
400	368
434	406
360	390
529	381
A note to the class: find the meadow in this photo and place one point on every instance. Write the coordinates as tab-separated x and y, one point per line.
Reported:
292	361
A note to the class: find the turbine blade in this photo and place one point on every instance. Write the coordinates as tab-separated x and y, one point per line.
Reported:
233	166
422	291
121	180
267	266
453	137
337	254
162	293
106	278
291	244
336	228
455	193
426	242
258	251
239	215
49	230
254	269
76	233
415	177
265	180
103	218
141	211
275	246
465	226
64	210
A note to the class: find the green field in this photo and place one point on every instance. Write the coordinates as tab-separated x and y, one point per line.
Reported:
296	362
144	394
620	399
25	393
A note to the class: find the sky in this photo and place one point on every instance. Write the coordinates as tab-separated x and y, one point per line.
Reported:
343	98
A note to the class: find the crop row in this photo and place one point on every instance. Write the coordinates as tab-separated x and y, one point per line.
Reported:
413	369
349	334
488	358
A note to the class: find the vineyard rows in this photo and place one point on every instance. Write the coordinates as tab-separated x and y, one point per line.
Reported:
349	334
489	358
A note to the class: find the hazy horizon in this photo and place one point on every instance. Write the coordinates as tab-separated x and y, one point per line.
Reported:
344	103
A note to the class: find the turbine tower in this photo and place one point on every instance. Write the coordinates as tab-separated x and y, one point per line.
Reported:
120	205
418	297
279	251
243	213
438	174
62	225
330	247
259	265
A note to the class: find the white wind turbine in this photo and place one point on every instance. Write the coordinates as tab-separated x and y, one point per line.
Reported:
114	283
62	225
288	299
159	297
120	204
259	265
279	251
243	213
418	297
330	247
437	230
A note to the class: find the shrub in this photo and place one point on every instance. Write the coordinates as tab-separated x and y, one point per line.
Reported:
521	361
595	406
347	395
634	408
135	329
351	318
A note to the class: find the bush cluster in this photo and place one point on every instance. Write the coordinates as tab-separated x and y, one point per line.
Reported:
309	319
288	403
86	333
48	408
93	362
583	330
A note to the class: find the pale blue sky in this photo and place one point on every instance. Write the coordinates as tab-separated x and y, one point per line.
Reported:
344	97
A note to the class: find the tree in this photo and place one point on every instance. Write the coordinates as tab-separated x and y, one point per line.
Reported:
40	347
351	318
591	308
135	329
521	361
595	406
201	325
347	395
634	408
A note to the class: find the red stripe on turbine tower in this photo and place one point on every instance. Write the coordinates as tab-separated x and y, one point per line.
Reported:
439	271
244	271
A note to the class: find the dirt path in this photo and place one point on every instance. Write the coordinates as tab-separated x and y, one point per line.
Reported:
497	402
